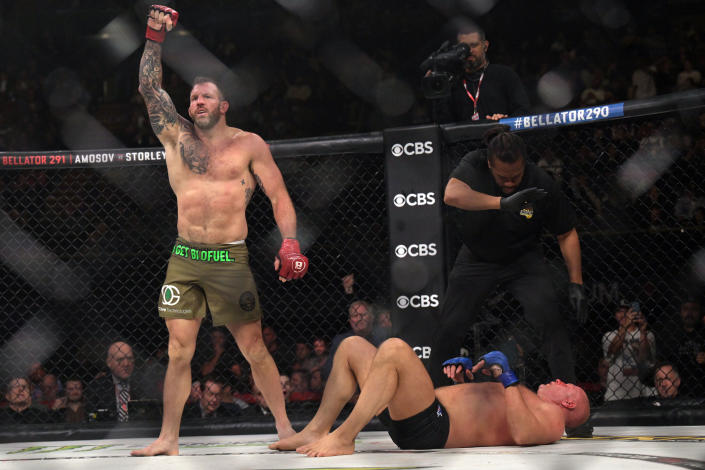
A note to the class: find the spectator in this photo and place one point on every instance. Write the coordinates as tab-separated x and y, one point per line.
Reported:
300	391
50	390
643	83
316	383
628	349
383	323
108	395
210	404
221	360
286	386
667	380
19	408
319	357
688	78
302	353
502	95
596	93
71	408
551	164
685	348
282	357
361	320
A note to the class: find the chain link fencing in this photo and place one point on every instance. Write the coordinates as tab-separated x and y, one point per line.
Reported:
84	253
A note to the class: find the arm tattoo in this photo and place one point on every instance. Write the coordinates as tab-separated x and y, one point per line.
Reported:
194	154
162	112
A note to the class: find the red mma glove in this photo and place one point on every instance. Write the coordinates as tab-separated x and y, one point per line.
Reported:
292	264
160	19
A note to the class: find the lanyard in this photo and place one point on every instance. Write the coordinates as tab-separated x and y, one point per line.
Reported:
475	98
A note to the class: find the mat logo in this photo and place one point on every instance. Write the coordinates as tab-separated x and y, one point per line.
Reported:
418	301
415	199
416	249
412	148
424	352
170	295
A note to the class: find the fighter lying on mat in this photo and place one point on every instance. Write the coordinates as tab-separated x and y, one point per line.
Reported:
395	386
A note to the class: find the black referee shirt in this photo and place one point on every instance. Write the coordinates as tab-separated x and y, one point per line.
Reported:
498	236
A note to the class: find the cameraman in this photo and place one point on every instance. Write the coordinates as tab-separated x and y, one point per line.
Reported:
480	90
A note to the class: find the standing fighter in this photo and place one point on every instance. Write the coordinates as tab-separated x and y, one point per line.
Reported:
213	169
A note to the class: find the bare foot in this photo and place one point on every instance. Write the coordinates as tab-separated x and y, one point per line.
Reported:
327	446
285	431
306	436
158	447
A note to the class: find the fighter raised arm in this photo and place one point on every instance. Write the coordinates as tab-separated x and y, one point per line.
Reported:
162	113
213	170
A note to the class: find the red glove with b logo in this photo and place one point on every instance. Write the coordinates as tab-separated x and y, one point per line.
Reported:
160	19
292	264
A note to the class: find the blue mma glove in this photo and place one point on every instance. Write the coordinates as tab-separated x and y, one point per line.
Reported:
497	358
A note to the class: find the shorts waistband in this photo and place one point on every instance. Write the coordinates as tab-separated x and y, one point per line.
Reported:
209	253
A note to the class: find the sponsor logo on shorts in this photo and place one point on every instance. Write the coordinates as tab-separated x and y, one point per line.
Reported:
247	301
170	295
439	411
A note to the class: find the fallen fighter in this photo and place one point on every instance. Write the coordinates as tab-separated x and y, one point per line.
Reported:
395	386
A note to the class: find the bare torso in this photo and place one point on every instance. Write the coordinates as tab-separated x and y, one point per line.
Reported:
478	413
212	182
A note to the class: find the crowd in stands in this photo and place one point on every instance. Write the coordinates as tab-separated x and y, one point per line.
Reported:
659	356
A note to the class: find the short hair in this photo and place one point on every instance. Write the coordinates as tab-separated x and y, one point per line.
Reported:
581	412
469	28
366	304
504	145
211	379
203	79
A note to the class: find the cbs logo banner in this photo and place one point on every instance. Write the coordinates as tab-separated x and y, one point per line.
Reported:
415	250
418	301
412	148
414	199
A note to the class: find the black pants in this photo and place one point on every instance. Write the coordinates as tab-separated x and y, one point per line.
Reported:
528	280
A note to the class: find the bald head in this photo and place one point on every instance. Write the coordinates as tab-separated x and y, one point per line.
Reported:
572	399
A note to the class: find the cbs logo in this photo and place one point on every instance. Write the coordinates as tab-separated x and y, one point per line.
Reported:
414	199
418	301
416	249
412	148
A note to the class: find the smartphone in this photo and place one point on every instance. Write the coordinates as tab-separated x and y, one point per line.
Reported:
636	307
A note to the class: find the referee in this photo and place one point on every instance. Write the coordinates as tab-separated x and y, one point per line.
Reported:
506	202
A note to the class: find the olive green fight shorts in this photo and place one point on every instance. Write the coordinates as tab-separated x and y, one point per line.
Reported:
216	276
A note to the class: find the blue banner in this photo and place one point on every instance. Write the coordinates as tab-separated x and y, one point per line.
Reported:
562	118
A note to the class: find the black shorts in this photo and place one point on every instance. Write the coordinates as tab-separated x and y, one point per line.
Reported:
425	430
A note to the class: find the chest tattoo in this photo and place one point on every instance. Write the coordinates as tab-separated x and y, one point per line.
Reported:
194	155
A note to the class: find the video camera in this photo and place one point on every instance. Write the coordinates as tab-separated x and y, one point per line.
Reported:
445	65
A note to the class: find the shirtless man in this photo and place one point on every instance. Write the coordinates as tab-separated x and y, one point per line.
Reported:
395	386
213	169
